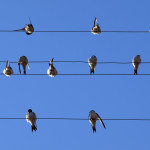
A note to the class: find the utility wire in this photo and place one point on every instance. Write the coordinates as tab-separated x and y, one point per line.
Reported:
113	119
102	31
81	74
77	62
81	31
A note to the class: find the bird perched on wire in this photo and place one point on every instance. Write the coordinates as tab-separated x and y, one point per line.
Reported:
31	118
8	71
92	63
93	117
136	62
52	70
29	29
96	28
23	60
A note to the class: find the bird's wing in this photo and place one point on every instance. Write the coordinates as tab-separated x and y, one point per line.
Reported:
27	117
89	116
34	116
28	67
133	60
99	118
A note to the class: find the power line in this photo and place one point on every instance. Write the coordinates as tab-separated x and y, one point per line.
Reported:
81	74
51	31
69	61
102	31
127	31
113	119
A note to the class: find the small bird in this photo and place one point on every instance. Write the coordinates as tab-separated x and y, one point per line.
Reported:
52	70
23	60
136	62
31	118
8	70
93	117
96	28
29	29
92	63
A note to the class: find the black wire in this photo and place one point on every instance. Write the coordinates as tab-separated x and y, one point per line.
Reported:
81	74
127	31
69	61
85	62
138	119
101	31
81	31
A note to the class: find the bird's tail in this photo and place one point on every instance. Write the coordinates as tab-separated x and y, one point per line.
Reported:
92	70
24	68
30	20
20	29
19	68
94	129
34	128
96	20
135	72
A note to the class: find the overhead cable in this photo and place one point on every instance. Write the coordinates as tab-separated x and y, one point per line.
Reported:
73	31
113	119
104	74
69	61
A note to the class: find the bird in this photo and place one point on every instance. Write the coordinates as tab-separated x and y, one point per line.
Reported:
31	118
96	28
29	29
136	62
52	70
92	63
93	117
23	60
8	71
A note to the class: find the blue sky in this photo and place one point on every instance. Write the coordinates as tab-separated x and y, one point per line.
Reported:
75	96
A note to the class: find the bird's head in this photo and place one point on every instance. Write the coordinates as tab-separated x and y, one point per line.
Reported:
29	110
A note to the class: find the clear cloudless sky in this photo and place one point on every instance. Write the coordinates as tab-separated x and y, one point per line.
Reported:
75	96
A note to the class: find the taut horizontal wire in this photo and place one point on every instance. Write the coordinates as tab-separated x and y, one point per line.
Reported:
102	31
69	61
126	119
82	74
81	31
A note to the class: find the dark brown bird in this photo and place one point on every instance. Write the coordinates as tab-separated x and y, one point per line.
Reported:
23	60
93	117
29	29
8	70
31	118
96	28
136	62
92	63
52	70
